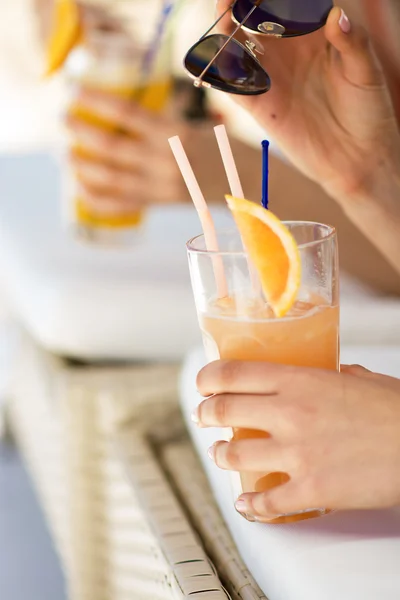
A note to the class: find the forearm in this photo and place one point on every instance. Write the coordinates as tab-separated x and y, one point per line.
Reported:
376	212
381	225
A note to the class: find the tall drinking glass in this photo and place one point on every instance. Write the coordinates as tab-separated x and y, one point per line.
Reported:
114	63
241	326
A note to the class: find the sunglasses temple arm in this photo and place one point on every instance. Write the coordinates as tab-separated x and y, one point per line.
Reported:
218	20
198	81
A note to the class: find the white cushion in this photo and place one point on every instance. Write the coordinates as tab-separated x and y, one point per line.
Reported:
345	555
87	301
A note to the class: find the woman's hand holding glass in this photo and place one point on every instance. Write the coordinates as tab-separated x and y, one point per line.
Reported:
126	167
336	435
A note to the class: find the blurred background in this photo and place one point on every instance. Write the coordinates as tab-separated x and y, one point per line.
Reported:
93	223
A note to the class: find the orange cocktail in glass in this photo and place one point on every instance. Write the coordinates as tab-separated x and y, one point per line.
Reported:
113	63
242	326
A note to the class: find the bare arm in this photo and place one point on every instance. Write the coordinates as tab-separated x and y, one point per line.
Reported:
376	213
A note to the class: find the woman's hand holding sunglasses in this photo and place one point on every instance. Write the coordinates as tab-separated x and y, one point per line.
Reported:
329	107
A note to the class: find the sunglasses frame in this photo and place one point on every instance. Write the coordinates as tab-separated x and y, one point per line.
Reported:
279	32
250	46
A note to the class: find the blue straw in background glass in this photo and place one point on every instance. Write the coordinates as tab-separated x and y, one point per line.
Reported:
168	7
265	172
162	34
155	44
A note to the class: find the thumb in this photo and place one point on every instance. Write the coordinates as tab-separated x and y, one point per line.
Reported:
359	62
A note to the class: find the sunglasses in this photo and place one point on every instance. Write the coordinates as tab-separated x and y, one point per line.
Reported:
221	62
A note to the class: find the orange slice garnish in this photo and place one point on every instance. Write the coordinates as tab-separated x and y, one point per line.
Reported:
272	250
66	34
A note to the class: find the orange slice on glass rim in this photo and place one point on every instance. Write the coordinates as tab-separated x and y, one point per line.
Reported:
272	250
65	35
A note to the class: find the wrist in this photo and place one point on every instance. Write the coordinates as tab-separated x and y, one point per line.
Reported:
376	186
375	211
381	198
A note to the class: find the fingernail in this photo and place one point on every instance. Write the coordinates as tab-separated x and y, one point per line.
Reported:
195	416
241	505
344	22
211	452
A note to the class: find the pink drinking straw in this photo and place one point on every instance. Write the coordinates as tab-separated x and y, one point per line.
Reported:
229	162
236	189
205	217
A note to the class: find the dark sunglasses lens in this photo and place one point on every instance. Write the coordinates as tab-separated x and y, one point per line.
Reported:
234	70
298	17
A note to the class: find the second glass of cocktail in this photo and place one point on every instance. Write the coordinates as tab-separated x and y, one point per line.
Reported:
116	64
240	324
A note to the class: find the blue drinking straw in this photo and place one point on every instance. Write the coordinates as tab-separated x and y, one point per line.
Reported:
151	54
265	172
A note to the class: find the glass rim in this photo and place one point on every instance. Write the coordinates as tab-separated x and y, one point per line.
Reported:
331	229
